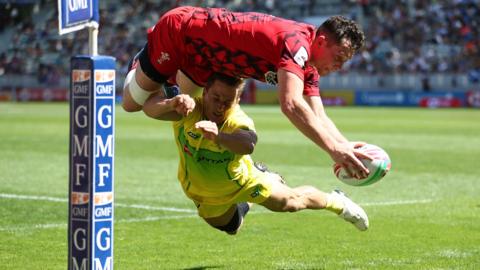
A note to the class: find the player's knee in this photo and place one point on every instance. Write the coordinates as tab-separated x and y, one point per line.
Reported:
290	204
293	206
134	95
233	225
128	105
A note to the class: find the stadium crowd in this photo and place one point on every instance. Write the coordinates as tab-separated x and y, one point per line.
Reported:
423	36
403	36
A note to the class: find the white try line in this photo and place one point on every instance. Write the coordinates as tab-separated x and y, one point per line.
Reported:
147	207
31	197
56	199
396	202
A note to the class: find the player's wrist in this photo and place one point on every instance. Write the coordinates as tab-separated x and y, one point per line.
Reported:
332	147
218	139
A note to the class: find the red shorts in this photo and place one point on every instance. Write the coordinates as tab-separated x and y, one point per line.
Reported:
160	58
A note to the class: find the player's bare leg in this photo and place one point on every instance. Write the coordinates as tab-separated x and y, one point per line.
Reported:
286	199
187	86
223	219
232	220
137	88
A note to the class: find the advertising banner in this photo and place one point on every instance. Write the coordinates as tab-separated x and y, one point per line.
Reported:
473	99
74	15
412	99
337	97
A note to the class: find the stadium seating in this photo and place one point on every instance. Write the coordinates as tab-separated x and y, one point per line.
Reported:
411	40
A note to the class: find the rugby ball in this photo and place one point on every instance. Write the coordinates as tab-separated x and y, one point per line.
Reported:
378	167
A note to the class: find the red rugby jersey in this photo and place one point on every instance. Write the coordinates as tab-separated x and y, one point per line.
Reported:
241	44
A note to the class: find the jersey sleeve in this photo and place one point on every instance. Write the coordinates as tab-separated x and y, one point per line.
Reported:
291	66
311	82
295	54
239	120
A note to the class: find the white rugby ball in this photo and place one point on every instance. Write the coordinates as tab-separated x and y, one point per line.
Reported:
378	167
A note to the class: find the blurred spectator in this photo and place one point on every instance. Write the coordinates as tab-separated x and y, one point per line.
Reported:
417	36
3	63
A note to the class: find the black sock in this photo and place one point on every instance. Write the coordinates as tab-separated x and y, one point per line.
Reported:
243	208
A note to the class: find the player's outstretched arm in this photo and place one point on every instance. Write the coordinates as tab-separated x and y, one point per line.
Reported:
316	104
302	116
172	109
241	142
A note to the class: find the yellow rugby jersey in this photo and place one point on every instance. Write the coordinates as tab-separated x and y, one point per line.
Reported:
208	172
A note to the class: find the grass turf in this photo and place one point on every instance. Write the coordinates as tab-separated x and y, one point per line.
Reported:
423	215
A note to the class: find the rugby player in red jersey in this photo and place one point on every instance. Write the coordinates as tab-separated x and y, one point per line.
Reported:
292	55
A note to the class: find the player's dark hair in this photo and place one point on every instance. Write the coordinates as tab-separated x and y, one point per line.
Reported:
238	83
340	27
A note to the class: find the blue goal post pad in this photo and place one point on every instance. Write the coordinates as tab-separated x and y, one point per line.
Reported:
91	162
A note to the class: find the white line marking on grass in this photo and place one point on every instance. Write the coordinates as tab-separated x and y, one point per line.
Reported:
33	227
32	197
56	199
147	207
396	202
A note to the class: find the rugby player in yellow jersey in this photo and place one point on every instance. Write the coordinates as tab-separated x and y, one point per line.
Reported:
215	139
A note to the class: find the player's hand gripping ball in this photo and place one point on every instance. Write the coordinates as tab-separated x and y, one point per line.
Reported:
378	167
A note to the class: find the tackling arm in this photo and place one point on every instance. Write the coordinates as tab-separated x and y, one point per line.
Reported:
299	113
316	104
171	109
302	116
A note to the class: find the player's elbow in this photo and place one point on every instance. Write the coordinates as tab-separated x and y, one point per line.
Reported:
130	108
251	144
249	148
244	149
150	112
248	142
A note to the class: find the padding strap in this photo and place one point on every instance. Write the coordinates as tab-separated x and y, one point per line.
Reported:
139	95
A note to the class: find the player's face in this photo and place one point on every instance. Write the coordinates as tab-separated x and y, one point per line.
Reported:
217	100
329	57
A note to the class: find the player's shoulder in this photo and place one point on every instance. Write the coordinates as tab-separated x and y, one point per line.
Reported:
181	10
295	35
238	112
198	101
295	27
300	25
238	119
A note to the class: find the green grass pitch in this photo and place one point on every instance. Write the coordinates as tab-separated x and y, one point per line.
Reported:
424	215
